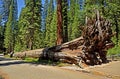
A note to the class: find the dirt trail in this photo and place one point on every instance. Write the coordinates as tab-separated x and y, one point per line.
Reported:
16	69
110	70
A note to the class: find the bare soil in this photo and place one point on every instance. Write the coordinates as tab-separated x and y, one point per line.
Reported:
17	69
3	75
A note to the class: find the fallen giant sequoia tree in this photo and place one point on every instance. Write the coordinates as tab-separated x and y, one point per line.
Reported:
91	48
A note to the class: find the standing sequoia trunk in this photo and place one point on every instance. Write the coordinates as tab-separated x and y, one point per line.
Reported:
59	23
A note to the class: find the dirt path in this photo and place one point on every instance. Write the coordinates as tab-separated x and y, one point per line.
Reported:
17	69
110	70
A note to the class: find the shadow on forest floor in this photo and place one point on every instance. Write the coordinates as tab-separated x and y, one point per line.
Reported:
8	61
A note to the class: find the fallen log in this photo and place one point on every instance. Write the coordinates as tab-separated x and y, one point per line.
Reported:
91	48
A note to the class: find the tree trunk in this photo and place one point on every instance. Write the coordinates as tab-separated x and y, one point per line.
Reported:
59	23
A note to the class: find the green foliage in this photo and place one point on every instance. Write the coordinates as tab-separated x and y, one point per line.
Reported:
74	20
53	28
8	41
20	40
49	19
65	20
9	30
116	49
76	23
32	60
29	25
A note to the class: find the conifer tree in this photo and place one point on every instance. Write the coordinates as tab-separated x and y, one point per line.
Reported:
9	30
76	22
30	25
74	19
49	18
112	12
71	15
20	44
53	30
65	20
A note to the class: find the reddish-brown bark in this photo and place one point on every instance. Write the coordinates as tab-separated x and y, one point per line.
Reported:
59	23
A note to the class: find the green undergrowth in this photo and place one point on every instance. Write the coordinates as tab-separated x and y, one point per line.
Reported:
45	62
114	51
29	59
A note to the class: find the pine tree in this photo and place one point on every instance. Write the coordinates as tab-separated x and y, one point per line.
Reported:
20	44
71	15
76	22
112	12
53	29
9	30
48	22
29	25
74	19
65	20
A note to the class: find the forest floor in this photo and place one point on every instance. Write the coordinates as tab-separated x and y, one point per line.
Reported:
18	69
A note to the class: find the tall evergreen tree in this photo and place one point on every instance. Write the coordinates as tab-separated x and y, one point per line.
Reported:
9	31
20	43
76	22
71	15
65	20
49	18
112	12
29	26
53	29
74	19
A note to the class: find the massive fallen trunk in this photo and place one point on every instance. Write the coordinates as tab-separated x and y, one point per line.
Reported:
91	48
66	52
